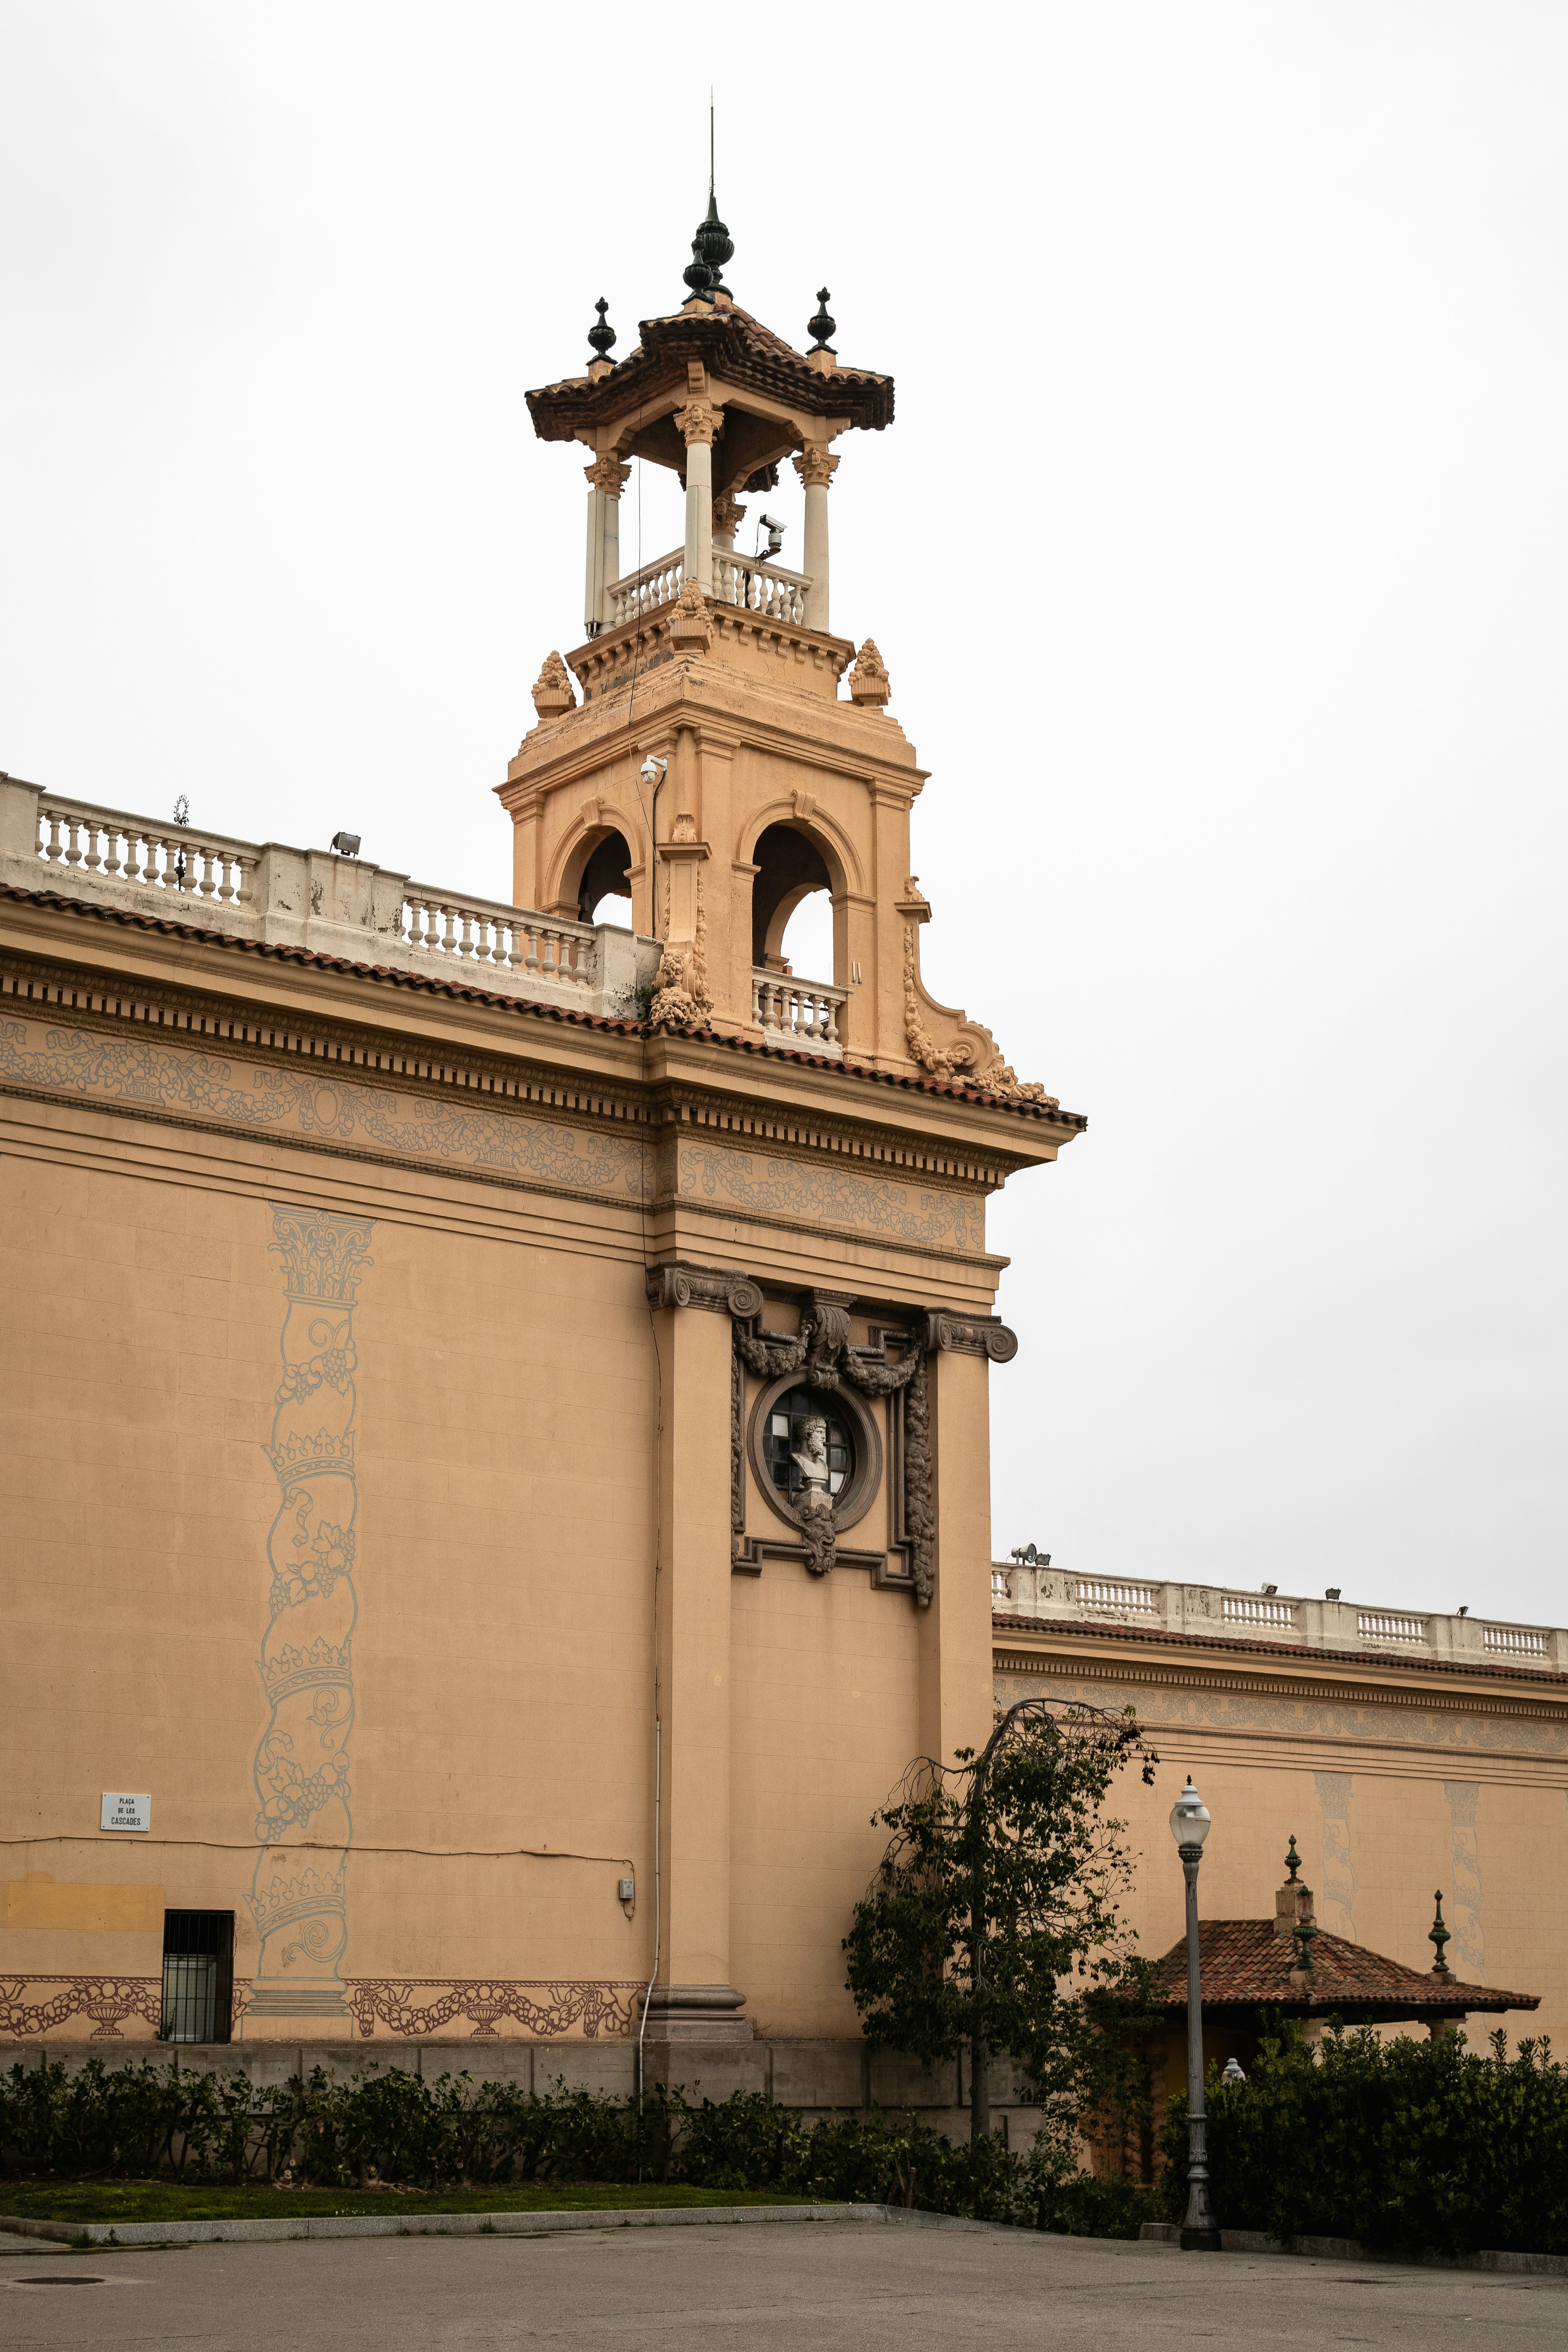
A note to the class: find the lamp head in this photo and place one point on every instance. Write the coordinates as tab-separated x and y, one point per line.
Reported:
1189	1817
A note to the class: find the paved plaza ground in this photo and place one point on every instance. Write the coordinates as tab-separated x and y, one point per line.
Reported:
784	2289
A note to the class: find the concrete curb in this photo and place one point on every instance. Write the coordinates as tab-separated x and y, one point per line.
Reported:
457	2225
1350	2250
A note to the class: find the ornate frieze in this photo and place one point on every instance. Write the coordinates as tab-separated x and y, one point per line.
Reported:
301	1771
547	2008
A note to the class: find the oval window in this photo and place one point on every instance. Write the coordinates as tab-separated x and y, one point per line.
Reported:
786	1439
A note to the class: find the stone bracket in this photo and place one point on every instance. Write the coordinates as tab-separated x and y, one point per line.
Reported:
972	1335
721	1289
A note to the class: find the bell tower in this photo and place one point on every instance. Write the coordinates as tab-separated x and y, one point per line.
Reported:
712	746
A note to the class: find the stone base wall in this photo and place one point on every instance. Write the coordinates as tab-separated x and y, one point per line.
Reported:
821	2078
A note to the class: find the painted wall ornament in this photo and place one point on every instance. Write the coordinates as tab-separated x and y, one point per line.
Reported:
303	1823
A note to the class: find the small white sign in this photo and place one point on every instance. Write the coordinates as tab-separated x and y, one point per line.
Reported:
124	1812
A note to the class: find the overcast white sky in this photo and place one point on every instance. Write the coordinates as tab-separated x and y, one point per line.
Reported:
1217	556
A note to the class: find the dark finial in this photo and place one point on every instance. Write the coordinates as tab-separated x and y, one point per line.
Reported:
712	245
1438	1934
602	336
822	326
1292	1860
1306	1936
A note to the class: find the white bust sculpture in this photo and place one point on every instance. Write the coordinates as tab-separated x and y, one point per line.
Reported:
811	1461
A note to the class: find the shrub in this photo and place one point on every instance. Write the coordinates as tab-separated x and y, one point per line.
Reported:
1412	2146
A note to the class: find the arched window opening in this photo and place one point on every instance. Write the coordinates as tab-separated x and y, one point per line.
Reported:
604	894
790	869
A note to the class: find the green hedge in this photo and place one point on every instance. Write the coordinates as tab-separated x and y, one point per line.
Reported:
1418	2147
139	2122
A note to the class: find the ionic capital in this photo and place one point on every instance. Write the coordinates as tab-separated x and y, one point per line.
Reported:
698	421
718	1288
608	474
972	1335
816	466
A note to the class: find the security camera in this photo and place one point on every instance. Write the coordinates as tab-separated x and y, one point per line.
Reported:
652	769
776	531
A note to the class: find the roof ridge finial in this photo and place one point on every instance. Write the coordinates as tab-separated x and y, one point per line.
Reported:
711	246
822	326
1440	1935
601	335
1293	1860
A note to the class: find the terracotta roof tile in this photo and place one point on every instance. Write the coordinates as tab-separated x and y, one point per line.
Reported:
1246	1964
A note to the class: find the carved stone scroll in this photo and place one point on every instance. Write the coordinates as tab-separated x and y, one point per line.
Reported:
972	1335
717	1287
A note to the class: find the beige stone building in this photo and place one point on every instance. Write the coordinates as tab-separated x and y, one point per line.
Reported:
496	1441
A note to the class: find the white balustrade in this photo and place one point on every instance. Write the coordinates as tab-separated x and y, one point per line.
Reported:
756	587
1385	1625
1113	1597
1257	1610
1001	1591
765	589
806	1012
129	851
1514	1642
479	934
657	584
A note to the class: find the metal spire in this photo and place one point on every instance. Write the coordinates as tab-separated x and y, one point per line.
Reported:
711	246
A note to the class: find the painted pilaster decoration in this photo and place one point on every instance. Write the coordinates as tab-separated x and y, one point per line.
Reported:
870	684
817	466
300	1904
606	479
683	998
699	424
552	691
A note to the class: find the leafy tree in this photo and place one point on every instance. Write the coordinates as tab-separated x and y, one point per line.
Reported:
992	1922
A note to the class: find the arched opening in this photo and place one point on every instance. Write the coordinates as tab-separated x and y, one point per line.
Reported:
605	892
791	870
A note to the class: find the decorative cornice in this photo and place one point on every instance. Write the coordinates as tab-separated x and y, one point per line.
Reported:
1268	1678
972	1335
719	1288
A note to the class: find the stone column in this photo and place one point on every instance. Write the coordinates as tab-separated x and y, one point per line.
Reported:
956	1699
816	468
693	1999
698	423
607	480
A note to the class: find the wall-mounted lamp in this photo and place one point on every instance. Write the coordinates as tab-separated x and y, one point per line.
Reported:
344	844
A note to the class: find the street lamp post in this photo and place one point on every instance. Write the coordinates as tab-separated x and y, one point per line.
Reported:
1189	1827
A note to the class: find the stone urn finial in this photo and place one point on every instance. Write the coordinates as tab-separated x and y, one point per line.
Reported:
868	680
552	691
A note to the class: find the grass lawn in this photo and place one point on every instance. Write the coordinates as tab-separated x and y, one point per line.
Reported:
162	2200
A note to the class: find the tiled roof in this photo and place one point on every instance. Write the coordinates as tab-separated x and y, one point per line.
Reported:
1296	1653
1246	1965
432	985
737	348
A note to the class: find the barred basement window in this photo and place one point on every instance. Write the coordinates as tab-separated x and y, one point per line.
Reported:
198	1975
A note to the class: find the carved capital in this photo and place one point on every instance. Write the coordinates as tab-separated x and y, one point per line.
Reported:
608	474
698	421
971	1334
728	515
553	689
816	466
718	1288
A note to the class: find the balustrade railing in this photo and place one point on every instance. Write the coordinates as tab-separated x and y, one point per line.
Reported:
657	584
743	580
130	851
1386	1625
1514	1642
803	1010
764	588
477	933
1114	1597
1257	1609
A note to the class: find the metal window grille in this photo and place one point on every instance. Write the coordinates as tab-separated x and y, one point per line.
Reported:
198	1974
